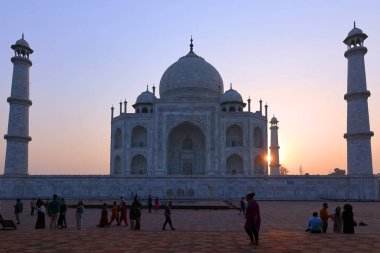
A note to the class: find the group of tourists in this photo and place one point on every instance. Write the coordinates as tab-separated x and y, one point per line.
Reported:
56	209
119	213
343	221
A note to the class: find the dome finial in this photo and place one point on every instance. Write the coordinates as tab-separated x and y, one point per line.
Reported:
230	86
22	36
147	89
191	43
354	24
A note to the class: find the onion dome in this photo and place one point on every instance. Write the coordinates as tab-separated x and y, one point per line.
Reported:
145	97
231	96
191	76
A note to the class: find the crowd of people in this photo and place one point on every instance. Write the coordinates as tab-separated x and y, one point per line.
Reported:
56	209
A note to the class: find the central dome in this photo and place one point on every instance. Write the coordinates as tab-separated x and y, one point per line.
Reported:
191	76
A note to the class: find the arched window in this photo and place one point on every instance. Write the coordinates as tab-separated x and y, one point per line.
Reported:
139	137
187	144
117	139
144	110
258	137
224	109
139	165
234	165
240	109
234	136
137	110
260	165
232	109
117	166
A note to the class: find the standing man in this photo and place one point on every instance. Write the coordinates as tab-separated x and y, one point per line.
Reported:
54	208
18	209
252	219
168	218
324	215
32	206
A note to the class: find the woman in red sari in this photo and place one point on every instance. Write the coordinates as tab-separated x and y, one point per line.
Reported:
104	217
156	205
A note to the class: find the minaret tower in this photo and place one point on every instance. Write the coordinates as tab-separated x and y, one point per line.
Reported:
16	159
359	158
274	163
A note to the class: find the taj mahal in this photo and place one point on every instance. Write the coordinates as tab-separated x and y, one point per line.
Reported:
194	140
194	128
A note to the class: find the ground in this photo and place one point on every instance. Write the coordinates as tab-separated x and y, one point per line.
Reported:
283	224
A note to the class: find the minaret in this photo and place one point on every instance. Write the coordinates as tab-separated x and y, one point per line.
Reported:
16	159
274	163
359	158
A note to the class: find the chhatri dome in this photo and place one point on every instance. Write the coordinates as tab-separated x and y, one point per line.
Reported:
191	76
231	96
146	97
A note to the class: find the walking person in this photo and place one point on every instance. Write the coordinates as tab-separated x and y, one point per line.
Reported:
324	215
18	210
252	219
79	214
150	204
104	217
168	218
41	211
123	214
133	215
54	209
338	222
348	219
62	214
32	206
242	206
156	205
115	213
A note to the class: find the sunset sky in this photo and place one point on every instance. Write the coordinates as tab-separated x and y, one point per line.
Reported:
88	55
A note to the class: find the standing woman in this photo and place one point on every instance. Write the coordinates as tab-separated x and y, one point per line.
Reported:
41	210
348	219
338	223
156	205
79	214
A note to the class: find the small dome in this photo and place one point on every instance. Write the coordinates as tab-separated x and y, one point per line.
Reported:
22	42
355	31
274	120
231	96
146	97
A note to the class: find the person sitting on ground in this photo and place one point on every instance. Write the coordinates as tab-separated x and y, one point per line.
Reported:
315	224
104	217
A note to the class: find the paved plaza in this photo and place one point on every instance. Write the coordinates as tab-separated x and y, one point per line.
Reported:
283	224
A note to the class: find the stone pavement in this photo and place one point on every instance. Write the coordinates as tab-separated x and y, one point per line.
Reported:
283	224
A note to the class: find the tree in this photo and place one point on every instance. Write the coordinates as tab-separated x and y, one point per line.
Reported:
338	172
301	170
283	171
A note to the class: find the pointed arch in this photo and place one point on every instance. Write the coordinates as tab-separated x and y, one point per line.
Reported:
234	165
259	165
118	136
139	137
117	166
234	136
258	137
139	165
